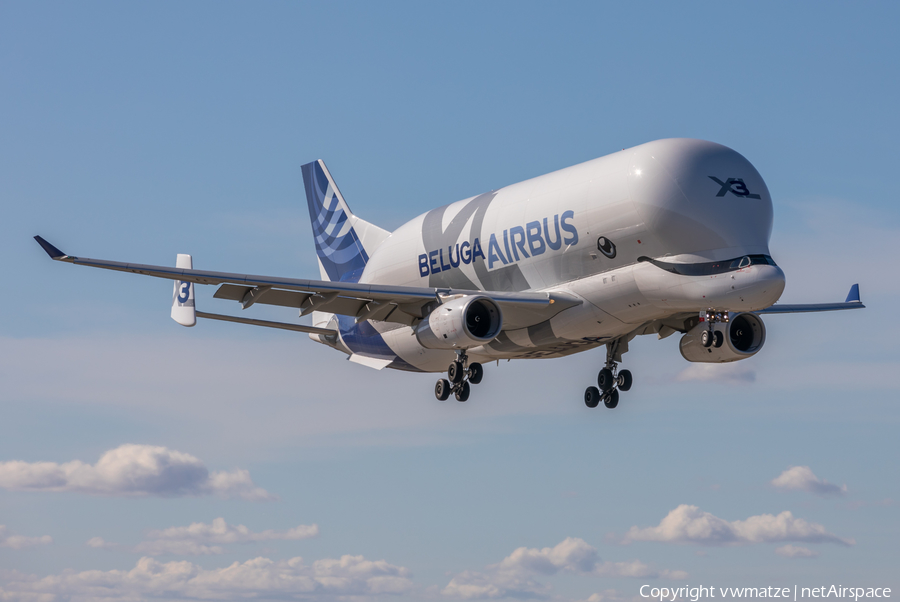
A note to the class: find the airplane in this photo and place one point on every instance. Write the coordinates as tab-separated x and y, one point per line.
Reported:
669	236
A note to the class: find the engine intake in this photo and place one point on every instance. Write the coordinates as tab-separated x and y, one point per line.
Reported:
744	335
467	321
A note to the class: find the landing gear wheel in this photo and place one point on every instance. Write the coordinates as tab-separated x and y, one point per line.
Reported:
592	397
611	399
476	373
455	373
706	338
442	390
462	392
719	338
624	380
605	380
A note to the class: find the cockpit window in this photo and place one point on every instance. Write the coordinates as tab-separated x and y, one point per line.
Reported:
710	268
741	262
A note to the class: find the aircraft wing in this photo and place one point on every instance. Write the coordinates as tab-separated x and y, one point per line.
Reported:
853	302
389	303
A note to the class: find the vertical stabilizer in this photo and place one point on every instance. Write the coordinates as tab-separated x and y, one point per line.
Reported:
344	242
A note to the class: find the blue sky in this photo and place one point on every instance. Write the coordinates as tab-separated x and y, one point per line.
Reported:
136	132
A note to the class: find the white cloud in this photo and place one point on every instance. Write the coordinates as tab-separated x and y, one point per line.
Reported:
688	524
802	478
202	538
256	578
513	576
792	551
728	373
17	542
100	543
635	568
608	595
472	585
572	554
131	470
177	548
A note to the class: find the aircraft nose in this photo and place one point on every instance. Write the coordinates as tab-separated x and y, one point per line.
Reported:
768	286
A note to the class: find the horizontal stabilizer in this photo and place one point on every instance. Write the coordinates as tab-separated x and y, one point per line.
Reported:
371	362
852	302
268	324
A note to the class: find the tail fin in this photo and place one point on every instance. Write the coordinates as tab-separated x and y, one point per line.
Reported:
344	242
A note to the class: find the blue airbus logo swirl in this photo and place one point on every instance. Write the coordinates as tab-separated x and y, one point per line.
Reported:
337	245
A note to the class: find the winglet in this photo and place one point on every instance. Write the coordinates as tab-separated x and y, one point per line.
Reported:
52	251
183	303
853	295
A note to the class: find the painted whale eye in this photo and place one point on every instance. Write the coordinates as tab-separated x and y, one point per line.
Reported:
606	246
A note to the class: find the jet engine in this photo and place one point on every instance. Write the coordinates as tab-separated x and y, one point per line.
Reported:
467	321
742	336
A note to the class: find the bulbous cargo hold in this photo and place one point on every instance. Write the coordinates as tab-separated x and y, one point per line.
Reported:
702	201
467	321
739	338
709	212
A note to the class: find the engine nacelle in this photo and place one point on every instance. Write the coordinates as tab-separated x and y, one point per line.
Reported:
467	321
744	335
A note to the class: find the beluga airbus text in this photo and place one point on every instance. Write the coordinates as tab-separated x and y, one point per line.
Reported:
669	236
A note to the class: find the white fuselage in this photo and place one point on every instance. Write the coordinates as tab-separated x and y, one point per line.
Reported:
581	231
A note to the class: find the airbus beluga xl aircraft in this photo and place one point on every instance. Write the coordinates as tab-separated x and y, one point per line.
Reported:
669	236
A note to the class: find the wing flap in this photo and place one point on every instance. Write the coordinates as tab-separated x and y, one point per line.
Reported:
294	299
233	292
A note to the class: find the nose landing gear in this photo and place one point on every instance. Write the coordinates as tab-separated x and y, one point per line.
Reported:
459	376
712	337
610	380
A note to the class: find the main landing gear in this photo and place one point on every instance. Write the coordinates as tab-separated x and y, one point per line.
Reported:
459	376
610	380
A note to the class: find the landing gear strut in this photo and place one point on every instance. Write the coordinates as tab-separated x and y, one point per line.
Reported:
460	375
610	380
713	337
